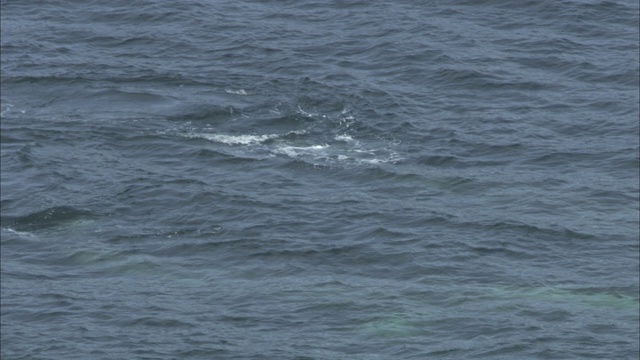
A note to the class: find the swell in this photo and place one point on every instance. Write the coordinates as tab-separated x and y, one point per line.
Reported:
47	218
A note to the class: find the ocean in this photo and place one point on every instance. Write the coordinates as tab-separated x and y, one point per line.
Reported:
337	179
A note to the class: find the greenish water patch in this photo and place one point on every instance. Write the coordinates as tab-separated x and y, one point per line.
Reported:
390	327
593	297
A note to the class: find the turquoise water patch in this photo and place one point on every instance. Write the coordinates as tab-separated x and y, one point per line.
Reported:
593	297
390	327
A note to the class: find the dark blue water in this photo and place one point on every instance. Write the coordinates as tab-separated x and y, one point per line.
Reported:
319	179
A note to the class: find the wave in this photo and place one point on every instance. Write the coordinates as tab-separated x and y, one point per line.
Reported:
48	218
295	144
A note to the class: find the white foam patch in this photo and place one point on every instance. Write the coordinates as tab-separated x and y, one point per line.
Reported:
344	148
375	161
295	151
8	108
308	114
235	139
344	137
237	92
22	234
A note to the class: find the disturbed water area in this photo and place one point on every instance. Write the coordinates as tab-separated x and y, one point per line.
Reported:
314	180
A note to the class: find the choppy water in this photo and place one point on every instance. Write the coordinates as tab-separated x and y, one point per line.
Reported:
319	179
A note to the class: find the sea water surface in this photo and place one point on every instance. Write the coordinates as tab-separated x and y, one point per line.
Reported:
319	179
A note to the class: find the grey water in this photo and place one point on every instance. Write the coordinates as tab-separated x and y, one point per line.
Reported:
254	179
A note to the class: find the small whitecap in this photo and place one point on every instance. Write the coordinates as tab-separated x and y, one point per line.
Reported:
287	150
21	234
237	92
344	137
235	139
297	132
295	151
302	112
306	148
373	161
316	147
